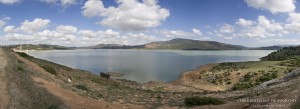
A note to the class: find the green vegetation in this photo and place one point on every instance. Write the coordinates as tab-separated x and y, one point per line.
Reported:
296	105
24	55
198	101
267	77
45	67
188	44
49	69
104	75
82	87
43	47
21	69
25	93
283	54
243	85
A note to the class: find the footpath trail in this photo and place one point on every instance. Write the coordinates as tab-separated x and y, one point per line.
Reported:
4	95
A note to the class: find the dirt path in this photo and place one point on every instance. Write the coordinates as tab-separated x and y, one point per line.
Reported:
4	96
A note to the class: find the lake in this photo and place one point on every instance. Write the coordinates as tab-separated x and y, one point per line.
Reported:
145	65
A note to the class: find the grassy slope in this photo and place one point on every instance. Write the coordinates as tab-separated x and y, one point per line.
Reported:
25	94
224	76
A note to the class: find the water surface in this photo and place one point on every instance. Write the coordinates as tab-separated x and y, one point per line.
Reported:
145	65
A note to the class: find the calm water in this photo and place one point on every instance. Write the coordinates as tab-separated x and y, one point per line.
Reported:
145	65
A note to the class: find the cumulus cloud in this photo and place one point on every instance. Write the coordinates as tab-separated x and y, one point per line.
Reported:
128	15
3	21
244	22
10	29
66	29
226	28
293	25
35	25
270	25
274	6
8	2
197	32
92	8
261	28
179	33
63	3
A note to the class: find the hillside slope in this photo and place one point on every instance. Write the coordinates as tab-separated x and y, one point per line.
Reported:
283	54
188	44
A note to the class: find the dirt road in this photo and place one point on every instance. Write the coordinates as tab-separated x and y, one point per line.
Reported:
4	96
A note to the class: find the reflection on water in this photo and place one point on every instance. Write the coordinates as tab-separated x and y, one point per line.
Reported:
145	65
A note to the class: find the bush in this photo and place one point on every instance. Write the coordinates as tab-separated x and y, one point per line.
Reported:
241	86
198	101
104	75
82	87
21	69
49	69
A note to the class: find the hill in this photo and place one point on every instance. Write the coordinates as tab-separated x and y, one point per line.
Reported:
112	46
188	44
41	47
283	54
174	44
267	48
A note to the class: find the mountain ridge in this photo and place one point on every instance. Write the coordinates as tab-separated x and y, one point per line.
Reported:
173	44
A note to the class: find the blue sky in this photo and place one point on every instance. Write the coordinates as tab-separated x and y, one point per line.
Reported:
80	23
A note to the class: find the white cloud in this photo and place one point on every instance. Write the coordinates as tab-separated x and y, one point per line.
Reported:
226	29
110	33
87	33
125	16
10	29
67	2
35	25
244	23
63	3
92	8
8	2
261	28
66	29
274	6
197	32
19	37
140	37
3	21
179	33
254	32
280	41
293	25
269	24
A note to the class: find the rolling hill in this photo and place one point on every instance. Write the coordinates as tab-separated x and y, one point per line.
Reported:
188	44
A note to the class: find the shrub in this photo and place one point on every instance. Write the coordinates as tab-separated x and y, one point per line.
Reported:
296	105
241	86
104	75
21	69
82	87
198	101
49	69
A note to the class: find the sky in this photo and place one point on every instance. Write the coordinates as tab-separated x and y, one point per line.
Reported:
250	23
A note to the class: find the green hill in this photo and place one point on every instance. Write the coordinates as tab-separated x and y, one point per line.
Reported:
188	44
42	47
283	54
